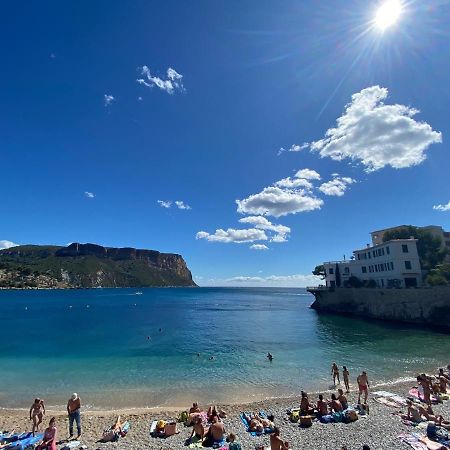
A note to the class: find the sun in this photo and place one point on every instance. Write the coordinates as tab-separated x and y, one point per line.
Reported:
388	14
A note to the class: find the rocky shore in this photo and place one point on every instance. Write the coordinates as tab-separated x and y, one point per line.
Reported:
380	430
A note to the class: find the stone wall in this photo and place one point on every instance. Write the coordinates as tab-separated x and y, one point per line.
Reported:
429	306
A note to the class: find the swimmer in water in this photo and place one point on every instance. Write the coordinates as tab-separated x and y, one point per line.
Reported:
269	356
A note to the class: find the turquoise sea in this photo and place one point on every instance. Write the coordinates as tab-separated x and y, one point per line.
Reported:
116	348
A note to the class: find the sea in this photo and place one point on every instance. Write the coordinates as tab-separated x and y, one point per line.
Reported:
168	347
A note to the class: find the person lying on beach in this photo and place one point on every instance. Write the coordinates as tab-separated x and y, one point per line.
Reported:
335	373
429	415
212	411
37	412
363	386
342	398
49	440
257	423
305	406
322	406
112	433
216	432
198	430
276	443
335	404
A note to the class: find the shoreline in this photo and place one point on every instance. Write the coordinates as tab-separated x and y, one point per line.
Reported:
396	384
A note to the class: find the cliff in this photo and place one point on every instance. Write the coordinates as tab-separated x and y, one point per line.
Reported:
89	266
424	306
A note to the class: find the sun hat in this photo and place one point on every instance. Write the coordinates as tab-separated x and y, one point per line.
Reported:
74	396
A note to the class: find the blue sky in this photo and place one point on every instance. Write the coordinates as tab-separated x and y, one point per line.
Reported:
107	108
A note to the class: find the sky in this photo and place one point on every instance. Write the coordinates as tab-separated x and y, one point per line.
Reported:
255	138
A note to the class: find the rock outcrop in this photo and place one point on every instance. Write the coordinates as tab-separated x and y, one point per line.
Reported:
90	265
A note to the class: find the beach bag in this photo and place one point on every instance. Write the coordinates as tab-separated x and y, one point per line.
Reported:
170	428
306	421
350	416
295	416
183	417
328	418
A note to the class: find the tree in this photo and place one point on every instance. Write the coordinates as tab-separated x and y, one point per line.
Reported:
439	276
354	282
319	271
429	247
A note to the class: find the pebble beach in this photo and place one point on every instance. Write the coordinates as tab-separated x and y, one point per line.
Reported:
380	429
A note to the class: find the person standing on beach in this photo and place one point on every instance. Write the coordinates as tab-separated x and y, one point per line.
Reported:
37	412
335	373
346	375
73	409
363	386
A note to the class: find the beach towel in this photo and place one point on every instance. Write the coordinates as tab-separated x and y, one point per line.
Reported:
389	399
195	442
418	394
413	440
246	424
70	445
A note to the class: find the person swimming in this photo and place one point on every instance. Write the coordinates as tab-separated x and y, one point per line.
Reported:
270	356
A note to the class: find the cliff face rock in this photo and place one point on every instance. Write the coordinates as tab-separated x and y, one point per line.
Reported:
425	306
90	265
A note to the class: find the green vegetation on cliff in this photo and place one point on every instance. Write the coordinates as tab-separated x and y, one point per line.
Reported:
89	265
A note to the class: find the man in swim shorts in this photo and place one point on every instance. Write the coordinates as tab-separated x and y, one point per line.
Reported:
363	386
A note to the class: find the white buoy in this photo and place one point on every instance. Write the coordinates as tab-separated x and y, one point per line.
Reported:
26	308
70	306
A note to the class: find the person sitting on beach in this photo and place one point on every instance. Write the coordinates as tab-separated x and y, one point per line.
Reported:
216	432
443	382
441	374
335	373
194	411
276	443
335	404
49	439
413	413
199	430
346	375
363	386
305	407
233	445
342	398
37	412
322	406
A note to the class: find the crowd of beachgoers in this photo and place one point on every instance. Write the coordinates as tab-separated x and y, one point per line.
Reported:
404	415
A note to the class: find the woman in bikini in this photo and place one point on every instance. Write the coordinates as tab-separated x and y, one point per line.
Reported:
49	440
37	412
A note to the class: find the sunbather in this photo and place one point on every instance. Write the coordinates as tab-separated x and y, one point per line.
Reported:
276	443
305	406
194	411
322	406
216	432
212	411
49	440
198	430
335	404
343	399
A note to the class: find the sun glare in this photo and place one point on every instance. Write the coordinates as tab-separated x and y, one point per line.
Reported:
388	14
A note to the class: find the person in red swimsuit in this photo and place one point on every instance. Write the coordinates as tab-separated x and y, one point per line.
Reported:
49	440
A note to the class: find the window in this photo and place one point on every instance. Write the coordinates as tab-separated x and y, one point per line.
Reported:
392	266
364	269
387	250
408	265
382	283
346	270
382	251
359	256
325	272
331	271
374	254
376	268
369	255
405	248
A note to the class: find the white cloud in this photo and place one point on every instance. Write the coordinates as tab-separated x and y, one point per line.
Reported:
165	204
377	134
293	148
292	183
297	280
337	186
108	99
259	247
307	174
232	235
181	205
89	194
277	202
262	223
7	244
442	207
173	83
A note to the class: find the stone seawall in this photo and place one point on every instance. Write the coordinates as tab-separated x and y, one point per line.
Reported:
426	306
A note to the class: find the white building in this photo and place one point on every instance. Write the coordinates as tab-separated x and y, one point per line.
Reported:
389	264
435	230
